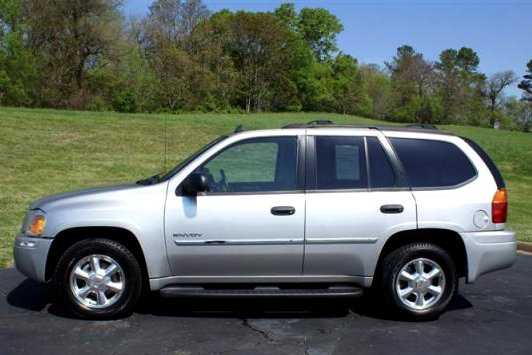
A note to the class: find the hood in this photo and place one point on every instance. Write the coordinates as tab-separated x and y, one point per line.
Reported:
80	196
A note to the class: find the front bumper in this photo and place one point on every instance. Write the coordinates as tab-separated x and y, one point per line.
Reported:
489	251
30	256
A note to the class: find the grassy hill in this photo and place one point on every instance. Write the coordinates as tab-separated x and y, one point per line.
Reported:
48	151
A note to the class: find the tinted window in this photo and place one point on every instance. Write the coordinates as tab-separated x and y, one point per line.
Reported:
340	163
433	163
254	165
380	169
487	160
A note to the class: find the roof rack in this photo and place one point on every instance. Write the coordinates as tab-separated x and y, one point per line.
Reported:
411	127
239	128
314	123
421	125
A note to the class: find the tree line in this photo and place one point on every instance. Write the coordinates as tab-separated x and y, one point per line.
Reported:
84	54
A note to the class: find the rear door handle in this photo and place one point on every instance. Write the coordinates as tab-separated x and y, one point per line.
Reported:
283	210
392	208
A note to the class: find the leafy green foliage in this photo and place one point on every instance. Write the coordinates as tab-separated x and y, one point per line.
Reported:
181	58
319	28
349	94
519	113
17	63
71	39
461	87
526	83
412	80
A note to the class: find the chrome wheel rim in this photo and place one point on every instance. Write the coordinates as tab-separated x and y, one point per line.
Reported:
420	284
97	281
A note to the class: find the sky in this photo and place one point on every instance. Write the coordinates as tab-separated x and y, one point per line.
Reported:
500	31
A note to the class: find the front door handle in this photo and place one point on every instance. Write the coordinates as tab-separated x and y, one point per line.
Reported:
392	208
283	210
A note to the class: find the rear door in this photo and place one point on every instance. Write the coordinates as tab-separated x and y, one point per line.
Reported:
357	198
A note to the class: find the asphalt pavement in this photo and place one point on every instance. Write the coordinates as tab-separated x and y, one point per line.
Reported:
492	316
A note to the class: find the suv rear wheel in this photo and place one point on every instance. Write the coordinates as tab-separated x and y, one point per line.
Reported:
98	279
419	280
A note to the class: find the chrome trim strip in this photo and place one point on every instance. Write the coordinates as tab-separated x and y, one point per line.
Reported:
345	240
238	242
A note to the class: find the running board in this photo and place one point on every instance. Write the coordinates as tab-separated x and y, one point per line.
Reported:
261	291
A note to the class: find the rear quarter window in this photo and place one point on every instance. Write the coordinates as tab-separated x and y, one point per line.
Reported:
432	163
489	163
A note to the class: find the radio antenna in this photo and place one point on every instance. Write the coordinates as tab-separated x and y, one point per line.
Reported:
165	140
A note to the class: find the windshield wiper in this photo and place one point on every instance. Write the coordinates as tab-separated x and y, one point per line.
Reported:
151	180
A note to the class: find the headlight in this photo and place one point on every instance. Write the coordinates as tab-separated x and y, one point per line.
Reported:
36	221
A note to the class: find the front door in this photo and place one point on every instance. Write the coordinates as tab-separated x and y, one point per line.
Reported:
251	220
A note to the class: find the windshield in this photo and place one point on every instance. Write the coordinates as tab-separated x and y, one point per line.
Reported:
190	158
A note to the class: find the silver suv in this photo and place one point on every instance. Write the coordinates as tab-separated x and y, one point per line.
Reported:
310	210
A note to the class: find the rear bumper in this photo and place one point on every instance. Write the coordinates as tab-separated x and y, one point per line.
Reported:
489	251
30	256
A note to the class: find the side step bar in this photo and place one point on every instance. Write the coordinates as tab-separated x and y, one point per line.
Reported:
261	291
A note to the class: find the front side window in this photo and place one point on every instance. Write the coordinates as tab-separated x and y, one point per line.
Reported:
433	164
340	163
255	165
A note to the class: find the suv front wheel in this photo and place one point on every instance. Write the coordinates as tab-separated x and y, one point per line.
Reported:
98	279
419	280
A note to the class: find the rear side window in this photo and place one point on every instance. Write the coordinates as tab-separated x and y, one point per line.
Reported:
380	169
430	163
340	163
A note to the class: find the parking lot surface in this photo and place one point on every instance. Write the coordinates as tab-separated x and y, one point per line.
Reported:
492	316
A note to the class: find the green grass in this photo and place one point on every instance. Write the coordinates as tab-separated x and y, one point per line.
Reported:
47	151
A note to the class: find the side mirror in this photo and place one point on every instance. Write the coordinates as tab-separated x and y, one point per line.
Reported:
194	183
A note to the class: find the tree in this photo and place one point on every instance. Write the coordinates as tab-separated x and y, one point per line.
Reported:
263	55
520	112
288	15
460	86
526	83
17	65
413	81
317	27
316	31
467	60
212	40
493	91
379	89
166	35
255	59
449	82
172	22
348	90
71	39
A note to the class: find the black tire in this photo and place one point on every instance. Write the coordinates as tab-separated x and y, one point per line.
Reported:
127	276
432	257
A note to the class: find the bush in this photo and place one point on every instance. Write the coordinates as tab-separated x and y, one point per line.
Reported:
125	102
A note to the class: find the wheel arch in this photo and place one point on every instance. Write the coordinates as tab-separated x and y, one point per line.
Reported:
68	237
448	240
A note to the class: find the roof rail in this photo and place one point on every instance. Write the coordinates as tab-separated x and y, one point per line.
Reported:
239	128
411	127
320	122
314	123
421	125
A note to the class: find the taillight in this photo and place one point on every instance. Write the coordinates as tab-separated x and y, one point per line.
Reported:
499	206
